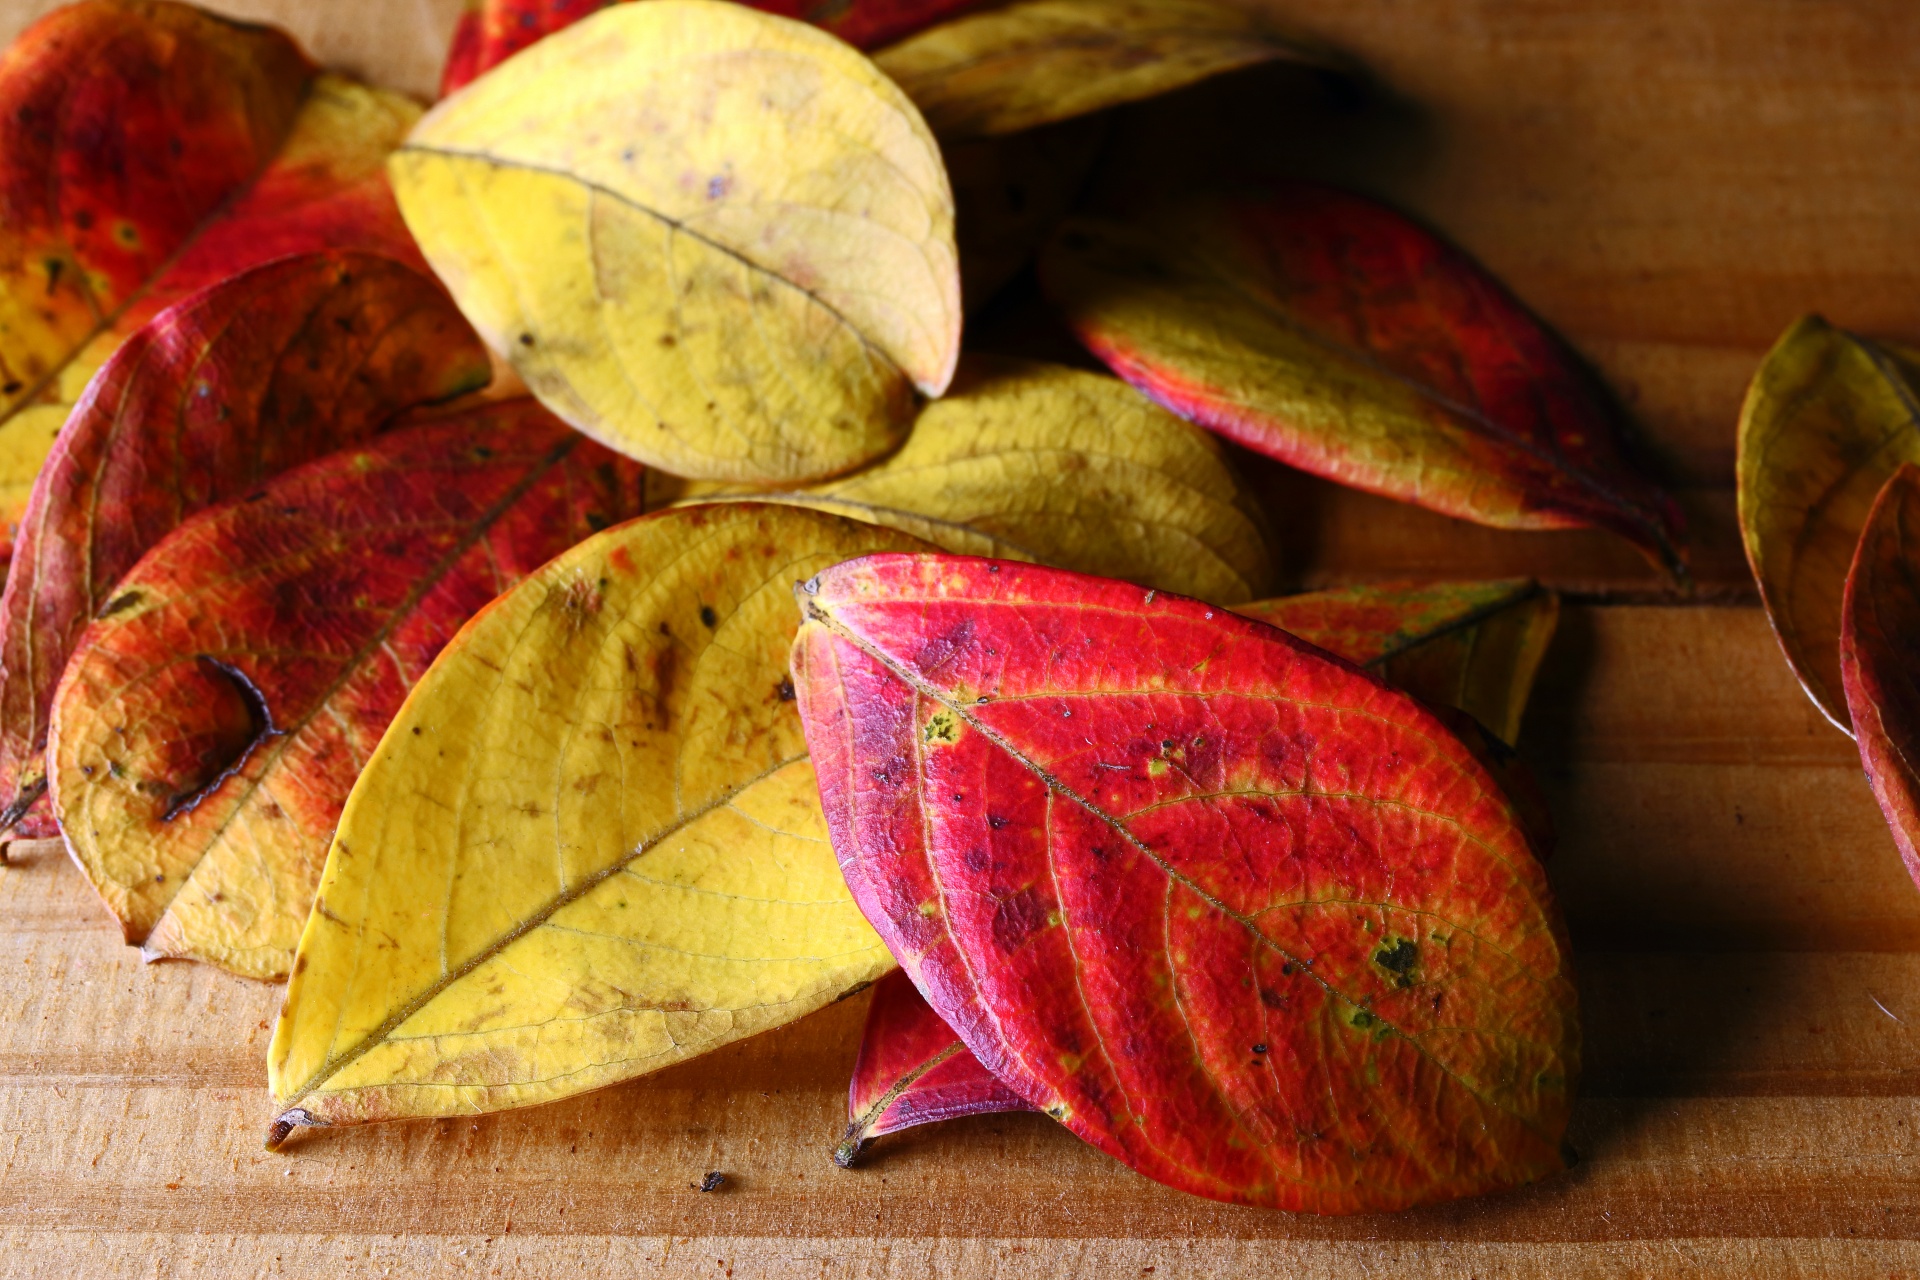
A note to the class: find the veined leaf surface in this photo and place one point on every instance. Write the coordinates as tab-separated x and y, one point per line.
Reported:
590	844
215	715
1880	656
1828	419
1034	62
261	373
1337	336
1239	915
718	241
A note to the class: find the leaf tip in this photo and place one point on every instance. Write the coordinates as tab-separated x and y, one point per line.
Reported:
847	1154
284	1125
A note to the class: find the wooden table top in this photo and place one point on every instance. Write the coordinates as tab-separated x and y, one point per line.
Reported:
1670	182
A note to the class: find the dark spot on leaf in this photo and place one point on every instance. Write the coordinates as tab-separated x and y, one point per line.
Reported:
125	600
1260	1048
526	339
1398	959
996	823
784	689
708	617
1017	919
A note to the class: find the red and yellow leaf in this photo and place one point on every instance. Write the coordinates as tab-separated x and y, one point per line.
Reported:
1880	656
1233	911
1333	334
216	714
264	372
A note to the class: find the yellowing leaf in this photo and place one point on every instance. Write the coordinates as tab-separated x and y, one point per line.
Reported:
1828	419
719	241
590	844
1037	462
1037	61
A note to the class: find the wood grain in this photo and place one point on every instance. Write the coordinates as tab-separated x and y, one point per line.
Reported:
1669	182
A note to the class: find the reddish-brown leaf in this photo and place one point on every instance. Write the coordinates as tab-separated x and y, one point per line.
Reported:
264	372
1880	655
491	31
1342	338
216	714
1230	909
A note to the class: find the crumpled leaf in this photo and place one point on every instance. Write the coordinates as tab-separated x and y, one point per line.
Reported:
589	845
1010	192
1032	461
1828	419
1033	62
491	31
649	215
1337	336
1880	656
1455	645
214	717
1237	914
261	373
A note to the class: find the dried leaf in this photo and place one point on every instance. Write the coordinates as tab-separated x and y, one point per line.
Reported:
1880	656
718	241
1009	193
213	719
1339	337
1239	915
491	31
590	844
266	371
1828	419
1034	461
1033	62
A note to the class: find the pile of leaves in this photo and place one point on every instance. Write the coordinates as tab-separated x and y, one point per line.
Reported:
545	578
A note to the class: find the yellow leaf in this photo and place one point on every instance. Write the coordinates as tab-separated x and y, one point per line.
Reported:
1037	61
1827	420
1029	461
590	845
717	240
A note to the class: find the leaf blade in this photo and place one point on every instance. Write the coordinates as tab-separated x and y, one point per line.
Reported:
1880	620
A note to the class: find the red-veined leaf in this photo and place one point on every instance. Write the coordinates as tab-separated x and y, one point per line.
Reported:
1231	910
1342	338
1880	655
261	373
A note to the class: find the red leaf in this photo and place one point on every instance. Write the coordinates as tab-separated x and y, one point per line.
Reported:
497	29
1230	909
1333	334
1880	655
214	717
264	372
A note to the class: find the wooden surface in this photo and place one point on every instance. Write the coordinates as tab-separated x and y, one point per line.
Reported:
1670	182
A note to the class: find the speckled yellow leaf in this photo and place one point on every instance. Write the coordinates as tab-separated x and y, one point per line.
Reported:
717	240
1829	417
1028	461
1037	61
589	845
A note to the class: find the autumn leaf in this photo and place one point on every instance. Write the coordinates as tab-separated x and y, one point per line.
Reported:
1455	645
214	717
1828	419
1034	62
1339	337
1238	914
1010	192
1879	636
590	844
718	241
161	149
489	32
266	371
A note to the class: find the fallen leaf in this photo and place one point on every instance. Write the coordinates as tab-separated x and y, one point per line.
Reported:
1032	461
913	1070
1235	913
1009	193
718	241
1828	419
590	844
1339	337
491	31
261	373
214	717
1880	655
1034	62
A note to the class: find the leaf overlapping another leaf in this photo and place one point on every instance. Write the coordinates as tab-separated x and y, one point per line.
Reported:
590	844
1339	337
1879	655
213	718
1242	917
649	215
